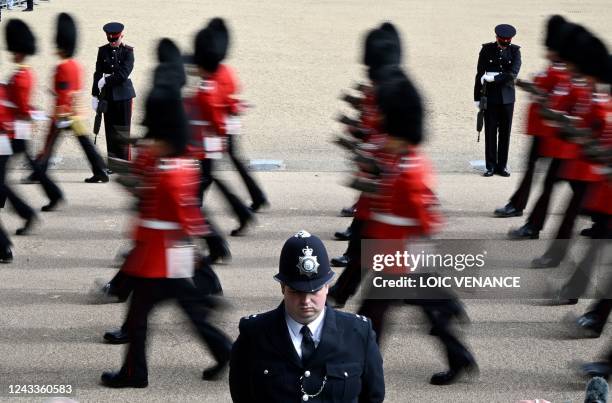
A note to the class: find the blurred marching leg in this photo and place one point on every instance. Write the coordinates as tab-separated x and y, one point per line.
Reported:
257	196
242	212
460	360
536	219
21	207
98	167
559	246
6	255
196	308
518	201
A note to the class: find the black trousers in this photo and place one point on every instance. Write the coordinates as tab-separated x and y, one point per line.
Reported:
117	119
521	196
52	191
242	212
150	292
498	119
30	4
540	210
257	195
5	241
439	312
350	278
6	192
576	286
559	247
98	167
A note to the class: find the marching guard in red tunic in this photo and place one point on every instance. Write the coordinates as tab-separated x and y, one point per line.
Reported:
567	97
587	57
404	207
21	43
6	254
555	74
207	112
382	56
227	80
162	260
68	85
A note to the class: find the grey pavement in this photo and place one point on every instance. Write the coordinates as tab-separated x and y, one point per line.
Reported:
51	334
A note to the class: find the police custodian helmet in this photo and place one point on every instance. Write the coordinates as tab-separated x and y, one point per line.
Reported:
304	265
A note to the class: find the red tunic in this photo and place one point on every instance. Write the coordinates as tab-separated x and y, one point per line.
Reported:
6	119
555	75
404	206
207	111
169	215
229	88
19	91
570	99
580	168
67	82
598	198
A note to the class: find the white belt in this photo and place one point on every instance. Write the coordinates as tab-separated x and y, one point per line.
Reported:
199	122
392	219
159	224
8	104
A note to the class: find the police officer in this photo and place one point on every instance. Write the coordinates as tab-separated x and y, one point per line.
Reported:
499	63
304	350
111	82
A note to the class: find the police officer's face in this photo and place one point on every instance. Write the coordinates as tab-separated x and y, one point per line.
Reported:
304	307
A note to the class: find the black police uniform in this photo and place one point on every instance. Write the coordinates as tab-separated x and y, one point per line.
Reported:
118	91
346	365
266	368
500	97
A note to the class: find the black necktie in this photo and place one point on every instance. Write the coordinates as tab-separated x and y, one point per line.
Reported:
308	345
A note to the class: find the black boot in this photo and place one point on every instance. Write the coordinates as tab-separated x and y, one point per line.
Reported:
27	226
117	336
508	211
53	204
6	255
120	380
343	235
215	372
452	375
340	261
524	232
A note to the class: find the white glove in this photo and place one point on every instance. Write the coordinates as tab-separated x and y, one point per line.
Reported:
482	79
477	104
94	103
490	77
101	83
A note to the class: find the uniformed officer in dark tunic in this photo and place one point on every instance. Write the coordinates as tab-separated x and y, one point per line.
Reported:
499	63
304	350
111	82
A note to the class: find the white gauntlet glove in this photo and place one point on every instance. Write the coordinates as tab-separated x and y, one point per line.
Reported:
94	103
101	83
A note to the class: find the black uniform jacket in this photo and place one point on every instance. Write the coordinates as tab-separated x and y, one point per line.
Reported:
266	368
118	62
505	61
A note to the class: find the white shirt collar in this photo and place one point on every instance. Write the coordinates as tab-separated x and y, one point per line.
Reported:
316	328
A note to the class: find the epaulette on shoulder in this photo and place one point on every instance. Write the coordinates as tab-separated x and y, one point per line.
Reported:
249	317
352	317
361	318
512	45
128	47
